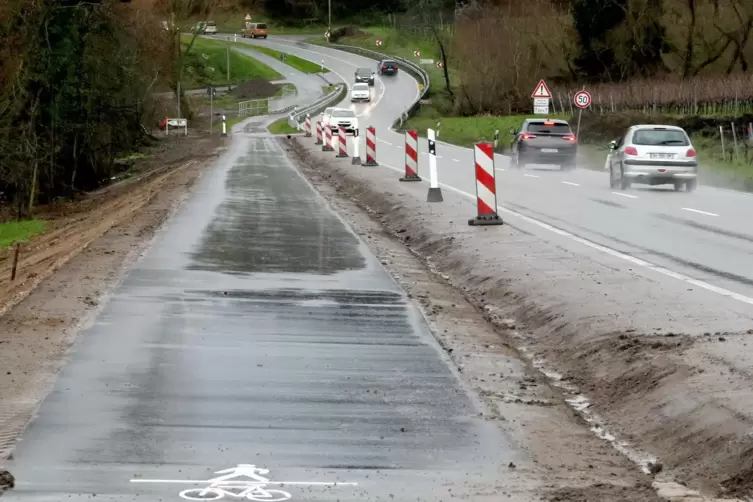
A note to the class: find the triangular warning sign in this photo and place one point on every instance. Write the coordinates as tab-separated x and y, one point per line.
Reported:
541	91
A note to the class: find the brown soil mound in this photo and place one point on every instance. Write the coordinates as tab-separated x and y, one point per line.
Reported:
255	89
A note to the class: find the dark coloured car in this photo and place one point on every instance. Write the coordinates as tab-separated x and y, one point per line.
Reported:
387	67
365	76
544	141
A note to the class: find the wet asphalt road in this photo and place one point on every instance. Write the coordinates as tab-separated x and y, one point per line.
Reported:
700	235
258	329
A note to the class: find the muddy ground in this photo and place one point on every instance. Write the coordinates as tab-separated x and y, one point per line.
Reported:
65	275
665	376
569	463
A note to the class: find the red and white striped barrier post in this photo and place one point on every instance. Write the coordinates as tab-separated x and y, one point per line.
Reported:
411	157
327	146
370	147
342	142
308	126
486	186
318	133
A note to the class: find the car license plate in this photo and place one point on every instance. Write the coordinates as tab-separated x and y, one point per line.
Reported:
549	150
662	156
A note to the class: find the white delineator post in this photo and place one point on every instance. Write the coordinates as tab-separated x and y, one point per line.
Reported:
486	186
356	156
224	126
435	193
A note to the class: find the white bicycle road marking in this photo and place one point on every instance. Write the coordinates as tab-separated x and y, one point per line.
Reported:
243	482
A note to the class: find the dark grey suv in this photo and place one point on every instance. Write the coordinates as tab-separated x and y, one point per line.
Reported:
365	76
387	67
544	141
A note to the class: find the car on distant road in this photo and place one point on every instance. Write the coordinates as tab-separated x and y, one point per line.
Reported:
345	118
387	67
205	28
360	92
365	75
327	116
255	30
544	141
653	155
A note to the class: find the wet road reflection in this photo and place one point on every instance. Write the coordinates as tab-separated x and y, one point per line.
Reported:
271	221
281	343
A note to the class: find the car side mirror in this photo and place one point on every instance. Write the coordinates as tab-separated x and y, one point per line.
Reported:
613	145
512	132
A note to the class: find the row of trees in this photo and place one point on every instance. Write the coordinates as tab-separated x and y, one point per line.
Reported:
76	85
500	48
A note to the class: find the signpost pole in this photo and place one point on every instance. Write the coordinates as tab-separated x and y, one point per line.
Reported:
211	109
582	100
228	66
178	99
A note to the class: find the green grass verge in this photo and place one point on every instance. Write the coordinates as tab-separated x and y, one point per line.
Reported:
281	126
20	231
465	131
291	60
207	64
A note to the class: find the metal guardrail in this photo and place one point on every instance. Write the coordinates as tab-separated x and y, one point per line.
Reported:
297	116
415	70
267	106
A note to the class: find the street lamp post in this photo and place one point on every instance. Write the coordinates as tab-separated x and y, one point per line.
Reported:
329	21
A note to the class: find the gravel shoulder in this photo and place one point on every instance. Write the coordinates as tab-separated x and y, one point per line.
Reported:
654	366
65	275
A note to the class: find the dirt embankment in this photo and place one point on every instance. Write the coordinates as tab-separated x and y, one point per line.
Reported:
63	274
662	364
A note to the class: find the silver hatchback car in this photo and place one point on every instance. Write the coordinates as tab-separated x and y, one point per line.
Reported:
653	155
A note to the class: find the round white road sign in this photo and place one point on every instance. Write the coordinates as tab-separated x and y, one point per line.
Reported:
582	99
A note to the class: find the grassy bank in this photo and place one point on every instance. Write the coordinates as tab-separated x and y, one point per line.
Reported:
19	231
296	62
207	64
281	126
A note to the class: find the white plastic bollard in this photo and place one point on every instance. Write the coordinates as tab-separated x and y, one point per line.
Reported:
435	193
224	126
356	157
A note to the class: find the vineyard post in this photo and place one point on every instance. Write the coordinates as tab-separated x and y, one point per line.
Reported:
721	135
734	142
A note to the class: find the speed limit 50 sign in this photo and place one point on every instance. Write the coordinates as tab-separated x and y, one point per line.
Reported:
582	99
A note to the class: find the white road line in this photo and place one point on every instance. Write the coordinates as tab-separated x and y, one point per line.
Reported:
625	195
531	176
699	211
612	252
244	483
500	169
455	160
571	183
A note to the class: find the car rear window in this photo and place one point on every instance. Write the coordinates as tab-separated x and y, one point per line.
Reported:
364	71
660	137
553	128
261	26
389	63
360	87
211	23
343	113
